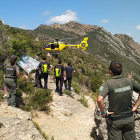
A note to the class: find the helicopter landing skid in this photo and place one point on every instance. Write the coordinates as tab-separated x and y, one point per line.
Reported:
53	52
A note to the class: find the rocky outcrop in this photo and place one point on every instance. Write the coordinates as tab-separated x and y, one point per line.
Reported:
72	26
131	44
16	124
101	127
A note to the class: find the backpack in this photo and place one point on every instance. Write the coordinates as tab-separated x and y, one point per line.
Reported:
58	71
44	68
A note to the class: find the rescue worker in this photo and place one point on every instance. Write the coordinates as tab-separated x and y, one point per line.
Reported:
11	72
45	68
120	120
59	73
69	72
37	71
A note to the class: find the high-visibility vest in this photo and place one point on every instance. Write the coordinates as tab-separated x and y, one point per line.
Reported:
44	68
58	71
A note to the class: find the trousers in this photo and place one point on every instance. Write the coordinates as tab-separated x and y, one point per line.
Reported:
12	85
45	76
59	88
36	74
123	129
69	83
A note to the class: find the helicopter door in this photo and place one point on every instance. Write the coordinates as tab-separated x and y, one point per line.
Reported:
52	46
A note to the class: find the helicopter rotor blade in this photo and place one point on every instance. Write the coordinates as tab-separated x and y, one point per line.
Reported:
68	38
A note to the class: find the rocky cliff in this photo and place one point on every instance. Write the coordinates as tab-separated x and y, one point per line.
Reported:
75	27
129	41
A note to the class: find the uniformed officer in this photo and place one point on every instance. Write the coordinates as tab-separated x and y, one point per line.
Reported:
11	72
119	90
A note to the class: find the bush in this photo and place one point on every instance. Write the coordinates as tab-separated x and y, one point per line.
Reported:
68	93
38	99
83	102
76	87
1	80
1	95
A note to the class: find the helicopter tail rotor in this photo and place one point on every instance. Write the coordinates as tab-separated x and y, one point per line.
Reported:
83	44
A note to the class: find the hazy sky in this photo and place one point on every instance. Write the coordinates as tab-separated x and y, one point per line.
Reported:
116	16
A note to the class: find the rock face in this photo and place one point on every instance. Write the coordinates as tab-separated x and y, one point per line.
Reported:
75	27
16	124
129	42
101	127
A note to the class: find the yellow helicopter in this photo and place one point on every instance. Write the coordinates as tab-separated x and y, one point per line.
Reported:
59	46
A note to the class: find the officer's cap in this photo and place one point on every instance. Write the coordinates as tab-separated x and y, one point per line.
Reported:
14	57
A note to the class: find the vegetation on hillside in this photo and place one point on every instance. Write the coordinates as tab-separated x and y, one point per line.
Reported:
109	53
17	41
91	68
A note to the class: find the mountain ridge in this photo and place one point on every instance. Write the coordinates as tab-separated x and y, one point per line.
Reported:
118	47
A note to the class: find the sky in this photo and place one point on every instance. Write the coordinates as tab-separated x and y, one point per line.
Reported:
116	16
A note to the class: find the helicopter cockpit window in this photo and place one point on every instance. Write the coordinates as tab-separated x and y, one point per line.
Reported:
56	46
48	46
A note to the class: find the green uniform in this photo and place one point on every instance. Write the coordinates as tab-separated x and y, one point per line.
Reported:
119	91
10	72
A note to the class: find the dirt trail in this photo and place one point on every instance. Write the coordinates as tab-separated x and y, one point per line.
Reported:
68	119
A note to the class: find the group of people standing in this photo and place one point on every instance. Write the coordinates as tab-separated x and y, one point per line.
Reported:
11	73
62	75
120	120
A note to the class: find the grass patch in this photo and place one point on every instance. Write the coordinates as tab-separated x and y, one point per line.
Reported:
68	93
52	138
39	129
76	87
1	95
43	134
94	95
83	102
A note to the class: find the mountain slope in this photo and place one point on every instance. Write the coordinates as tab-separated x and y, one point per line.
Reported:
101	43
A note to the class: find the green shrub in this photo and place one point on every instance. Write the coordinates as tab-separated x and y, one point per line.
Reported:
1	95
94	95
76	87
1	80
68	93
24	85
83	102
38	99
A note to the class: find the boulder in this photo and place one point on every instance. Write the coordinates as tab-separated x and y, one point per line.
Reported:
16	124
